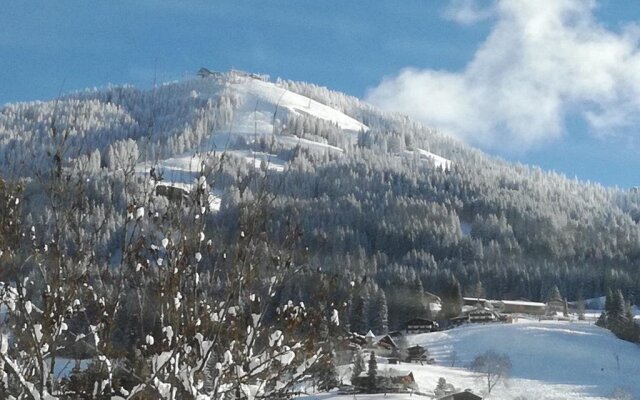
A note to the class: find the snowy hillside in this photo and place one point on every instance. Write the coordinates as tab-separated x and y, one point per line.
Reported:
368	184
551	360
581	356
262	110
261	99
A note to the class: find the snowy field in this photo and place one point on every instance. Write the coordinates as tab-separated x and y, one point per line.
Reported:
551	360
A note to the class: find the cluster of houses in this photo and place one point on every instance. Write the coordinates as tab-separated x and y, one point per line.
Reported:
479	310
391	346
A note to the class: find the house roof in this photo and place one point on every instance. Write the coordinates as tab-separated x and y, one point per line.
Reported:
390	373
420	321
478	299
465	395
521	303
432	296
370	335
387	340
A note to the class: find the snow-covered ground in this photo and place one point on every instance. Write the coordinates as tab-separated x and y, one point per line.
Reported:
551	360
436	160
260	97
181	172
309	144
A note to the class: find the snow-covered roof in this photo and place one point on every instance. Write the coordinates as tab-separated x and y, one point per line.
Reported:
479	299
522	303
370	335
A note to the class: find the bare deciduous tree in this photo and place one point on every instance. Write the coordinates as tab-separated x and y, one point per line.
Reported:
494	367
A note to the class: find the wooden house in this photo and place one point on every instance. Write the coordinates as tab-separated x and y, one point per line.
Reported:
478	315
173	193
387	343
418	354
386	381
519	307
395	334
475	301
554	306
421	325
465	395
370	337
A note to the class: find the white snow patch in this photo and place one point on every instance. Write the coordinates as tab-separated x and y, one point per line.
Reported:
261	97
436	160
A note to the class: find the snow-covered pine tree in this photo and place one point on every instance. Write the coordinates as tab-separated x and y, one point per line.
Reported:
451	299
360	311
326	372
380	314
372	372
359	365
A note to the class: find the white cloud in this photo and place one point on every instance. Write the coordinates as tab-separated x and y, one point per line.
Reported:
467	11
539	64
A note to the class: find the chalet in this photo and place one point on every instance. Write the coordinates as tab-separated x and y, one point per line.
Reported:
172	193
466	395
478	315
401	380
475	301
555	305
419	354
386	381
519	307
435	303
357	340
395	334
421	325
387	343
350	340
370	337
483	316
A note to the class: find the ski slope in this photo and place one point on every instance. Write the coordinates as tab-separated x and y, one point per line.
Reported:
551	360
264	99
260	113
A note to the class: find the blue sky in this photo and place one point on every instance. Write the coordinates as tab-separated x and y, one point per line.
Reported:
364	48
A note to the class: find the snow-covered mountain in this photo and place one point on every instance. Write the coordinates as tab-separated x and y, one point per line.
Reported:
366	182
262	111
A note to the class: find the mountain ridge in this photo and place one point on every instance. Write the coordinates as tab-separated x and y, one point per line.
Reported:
386	196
